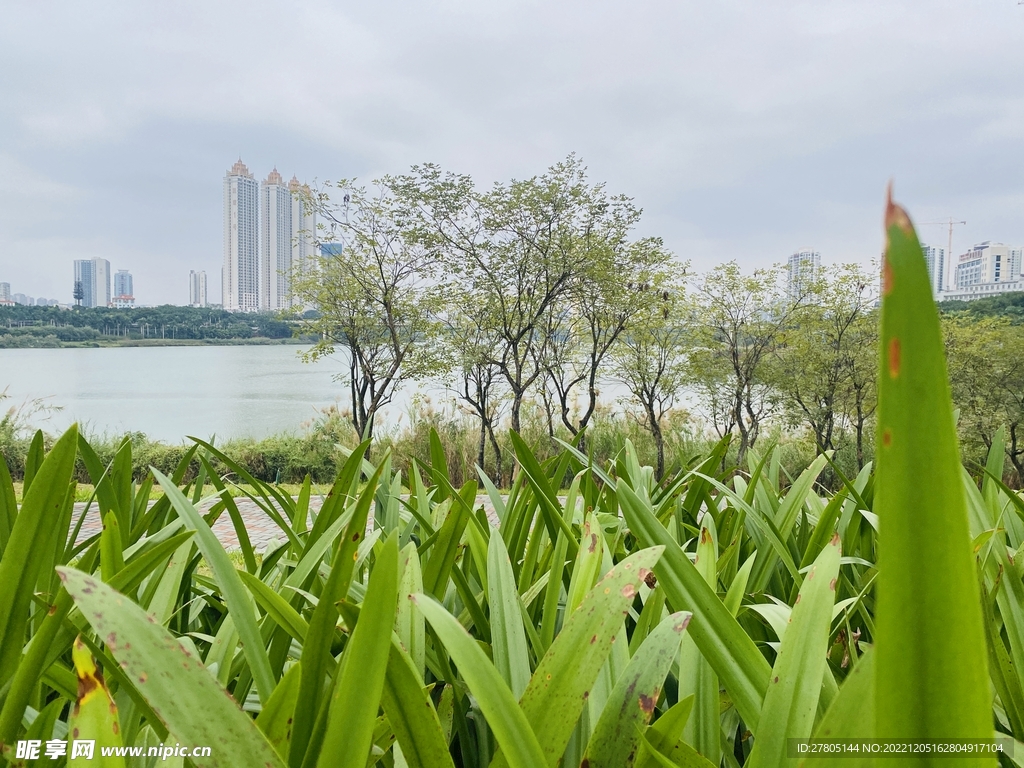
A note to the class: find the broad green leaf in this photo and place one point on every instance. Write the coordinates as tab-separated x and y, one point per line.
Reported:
438	567
409	623
275	720
792	697
235	594
279	609
412	716
565	676
111	557
850	716
615	740
667	729
184	695
508	638
587	566
353	708
931	675
316	650
682	756
31	538
696	675
504	716
94	715
8	505
721	640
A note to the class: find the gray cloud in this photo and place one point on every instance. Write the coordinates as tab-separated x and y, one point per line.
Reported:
745	130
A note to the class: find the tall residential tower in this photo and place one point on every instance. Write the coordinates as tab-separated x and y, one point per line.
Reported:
275	242
803	271
197	288
935	259
240	274
93	275
303	229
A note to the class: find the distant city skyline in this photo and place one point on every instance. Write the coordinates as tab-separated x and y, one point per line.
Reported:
740	129
265	243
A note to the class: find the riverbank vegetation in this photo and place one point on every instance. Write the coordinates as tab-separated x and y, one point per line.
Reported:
529	296
709	617
24	327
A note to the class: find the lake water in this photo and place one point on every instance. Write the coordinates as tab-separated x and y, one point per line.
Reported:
171	392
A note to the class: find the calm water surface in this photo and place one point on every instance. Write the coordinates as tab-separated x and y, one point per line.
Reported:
171	392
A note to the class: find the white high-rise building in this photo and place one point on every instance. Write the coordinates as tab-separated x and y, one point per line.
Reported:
803	271
5	292
985	270
124	290
240	285
197	288
303	230
94	277
935	259
275	242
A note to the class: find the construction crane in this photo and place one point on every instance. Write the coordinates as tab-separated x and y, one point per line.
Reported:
949	222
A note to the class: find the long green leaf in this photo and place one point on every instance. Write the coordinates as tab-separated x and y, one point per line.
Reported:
731	653
504	716
412	715
30	539
235	594
356	698
511	656
565	677
184	695
931	672
792	697
616	737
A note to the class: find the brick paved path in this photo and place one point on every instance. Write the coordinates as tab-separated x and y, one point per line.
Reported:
260	527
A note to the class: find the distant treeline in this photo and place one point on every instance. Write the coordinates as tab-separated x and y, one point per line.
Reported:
1007	305
23	326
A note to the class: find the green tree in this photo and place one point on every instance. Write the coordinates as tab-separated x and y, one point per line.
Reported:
376	302
515	249
743	318
986	370
601	303
816	362
651	357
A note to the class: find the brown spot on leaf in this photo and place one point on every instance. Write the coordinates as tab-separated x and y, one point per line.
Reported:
886	276
895	215
886	438
628	591
649	578
143	677
776	679
704	536
593	639
647	703
797	599
832	585
894	358
355	536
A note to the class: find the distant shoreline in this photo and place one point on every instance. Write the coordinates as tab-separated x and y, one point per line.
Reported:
104	343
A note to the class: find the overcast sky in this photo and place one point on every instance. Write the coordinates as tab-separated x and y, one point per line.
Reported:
744	130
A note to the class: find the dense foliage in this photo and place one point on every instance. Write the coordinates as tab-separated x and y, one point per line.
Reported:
706	619
22	326
539	293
